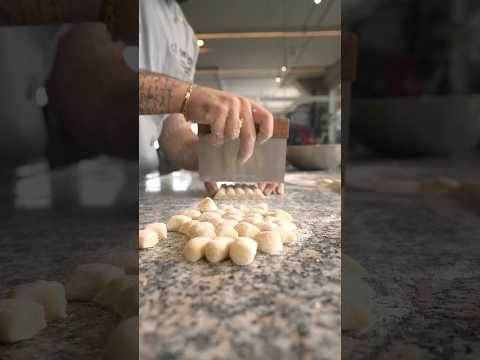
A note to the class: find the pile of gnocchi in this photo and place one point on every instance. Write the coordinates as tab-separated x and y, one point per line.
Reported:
217	233
112	283
239	192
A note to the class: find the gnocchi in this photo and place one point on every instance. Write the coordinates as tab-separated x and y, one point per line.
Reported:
176	221
159	228
147	239
217	249
243	250
269	242
194	250
20	319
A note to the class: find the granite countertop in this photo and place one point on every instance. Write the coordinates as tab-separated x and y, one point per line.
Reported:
47	242
280	307
421	251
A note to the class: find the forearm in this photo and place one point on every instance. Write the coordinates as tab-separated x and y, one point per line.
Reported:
178	142
38	12
160	94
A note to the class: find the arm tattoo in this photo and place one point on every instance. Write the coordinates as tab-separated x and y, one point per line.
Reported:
156	93
38	12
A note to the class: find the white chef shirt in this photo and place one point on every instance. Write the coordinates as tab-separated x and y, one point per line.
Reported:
167	45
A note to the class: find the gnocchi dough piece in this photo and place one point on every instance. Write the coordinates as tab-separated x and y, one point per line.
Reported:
20	319
250	193
259	194
147	239
336	186
202	229
225	207
357	302
286	235
109	295
282	214
256	211
230	193
286	224
88	279
263	206
231	223
243	250
267	226
127	303
194	250
221	194
226	231
176	221
194	214
123	342
126	260
213	218
206	216
207	204
245	229
234	217
159	228
252	220
185	228
217	249
243	208
269	242
49	294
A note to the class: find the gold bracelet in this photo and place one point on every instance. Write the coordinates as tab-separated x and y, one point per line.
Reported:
186	101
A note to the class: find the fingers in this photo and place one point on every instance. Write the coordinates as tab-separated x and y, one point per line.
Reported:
211	188
261	186
269	188
217	119
281	189
232	126
264	119
247	133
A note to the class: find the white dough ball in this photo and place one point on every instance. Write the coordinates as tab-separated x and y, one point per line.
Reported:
202	229
194	250
217	249
287	236
286	224
88	279
245	229
176	221
185	228
126	260
147	239
126	305
20	319
263	206
226	231
252	220
194	214
242	251
267	226
231	223
207	204
49	294
110	294
269	242
159	228
279	213
123	343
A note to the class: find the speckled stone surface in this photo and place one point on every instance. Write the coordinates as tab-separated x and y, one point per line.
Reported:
48	244
280	307
422	252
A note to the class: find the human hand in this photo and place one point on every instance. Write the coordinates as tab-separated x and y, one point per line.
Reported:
272	188
230	117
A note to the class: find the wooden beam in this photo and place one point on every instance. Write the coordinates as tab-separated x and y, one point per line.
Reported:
268	34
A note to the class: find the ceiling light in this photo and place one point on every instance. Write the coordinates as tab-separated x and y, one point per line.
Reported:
200	42
284	68
278	79
316	2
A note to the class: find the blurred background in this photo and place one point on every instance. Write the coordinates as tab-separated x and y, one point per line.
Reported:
418	76
283	54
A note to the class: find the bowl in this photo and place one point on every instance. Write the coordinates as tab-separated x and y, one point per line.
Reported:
314	157
420	126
